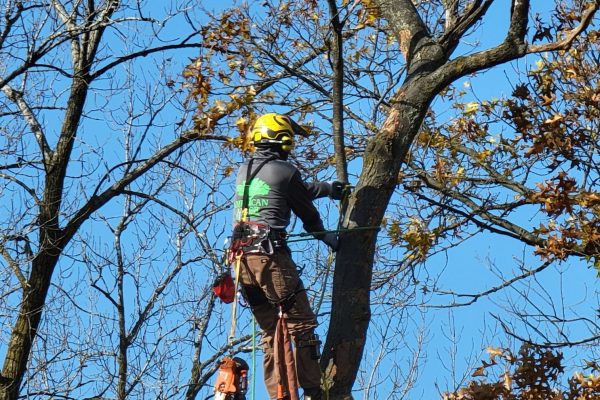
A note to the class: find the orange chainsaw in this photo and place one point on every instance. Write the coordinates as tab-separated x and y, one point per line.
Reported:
232	379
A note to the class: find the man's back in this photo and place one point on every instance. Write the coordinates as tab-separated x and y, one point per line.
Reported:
275	191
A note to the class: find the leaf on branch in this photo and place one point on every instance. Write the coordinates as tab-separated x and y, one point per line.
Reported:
471	108
494	352
521	92
508	382
479	372
555	119
542	33
547	100
228	171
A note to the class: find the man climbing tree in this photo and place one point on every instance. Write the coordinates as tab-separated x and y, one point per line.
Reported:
268	189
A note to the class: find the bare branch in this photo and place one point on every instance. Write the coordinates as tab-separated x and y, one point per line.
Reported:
474	297
69	21
142	53
91	44
451	14
28	189
32	121
10	20
14	266
95	202
548	344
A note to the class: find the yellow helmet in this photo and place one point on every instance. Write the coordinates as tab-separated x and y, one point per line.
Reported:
274	129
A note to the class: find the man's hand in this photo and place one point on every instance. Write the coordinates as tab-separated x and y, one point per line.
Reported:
337	190
331	240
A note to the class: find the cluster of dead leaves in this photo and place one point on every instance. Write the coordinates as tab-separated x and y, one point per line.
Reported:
532	374
213	78
541	143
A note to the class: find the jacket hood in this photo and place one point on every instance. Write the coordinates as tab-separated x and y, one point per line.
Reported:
266	152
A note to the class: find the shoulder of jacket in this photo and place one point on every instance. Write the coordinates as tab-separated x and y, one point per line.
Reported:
283	166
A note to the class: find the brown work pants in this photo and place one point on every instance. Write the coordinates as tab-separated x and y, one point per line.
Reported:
268	280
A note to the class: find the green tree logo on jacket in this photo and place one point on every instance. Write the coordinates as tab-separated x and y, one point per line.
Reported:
256	192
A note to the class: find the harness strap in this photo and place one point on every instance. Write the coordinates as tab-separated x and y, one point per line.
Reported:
249	176
245	195
288	301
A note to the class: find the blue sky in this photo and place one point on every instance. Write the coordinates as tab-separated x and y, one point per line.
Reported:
447	343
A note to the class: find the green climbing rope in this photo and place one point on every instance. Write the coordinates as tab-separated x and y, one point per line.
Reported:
310	236
253	372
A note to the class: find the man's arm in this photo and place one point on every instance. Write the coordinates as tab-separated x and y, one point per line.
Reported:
300	197
318	189
334	190
300	201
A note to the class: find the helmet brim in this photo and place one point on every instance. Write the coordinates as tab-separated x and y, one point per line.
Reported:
298	130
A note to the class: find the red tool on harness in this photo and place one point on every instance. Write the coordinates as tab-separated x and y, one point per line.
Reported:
224	288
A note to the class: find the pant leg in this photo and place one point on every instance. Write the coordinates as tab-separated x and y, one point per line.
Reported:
277	277
266	317
307	367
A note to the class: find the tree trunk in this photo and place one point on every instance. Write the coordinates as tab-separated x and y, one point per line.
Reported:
337	95
25	329
351	311
428	72
52	241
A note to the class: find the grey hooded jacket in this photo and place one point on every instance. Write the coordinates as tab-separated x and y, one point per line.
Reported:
276	191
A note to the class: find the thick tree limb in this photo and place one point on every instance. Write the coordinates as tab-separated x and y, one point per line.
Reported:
565	43
457	26
513	47
416	43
